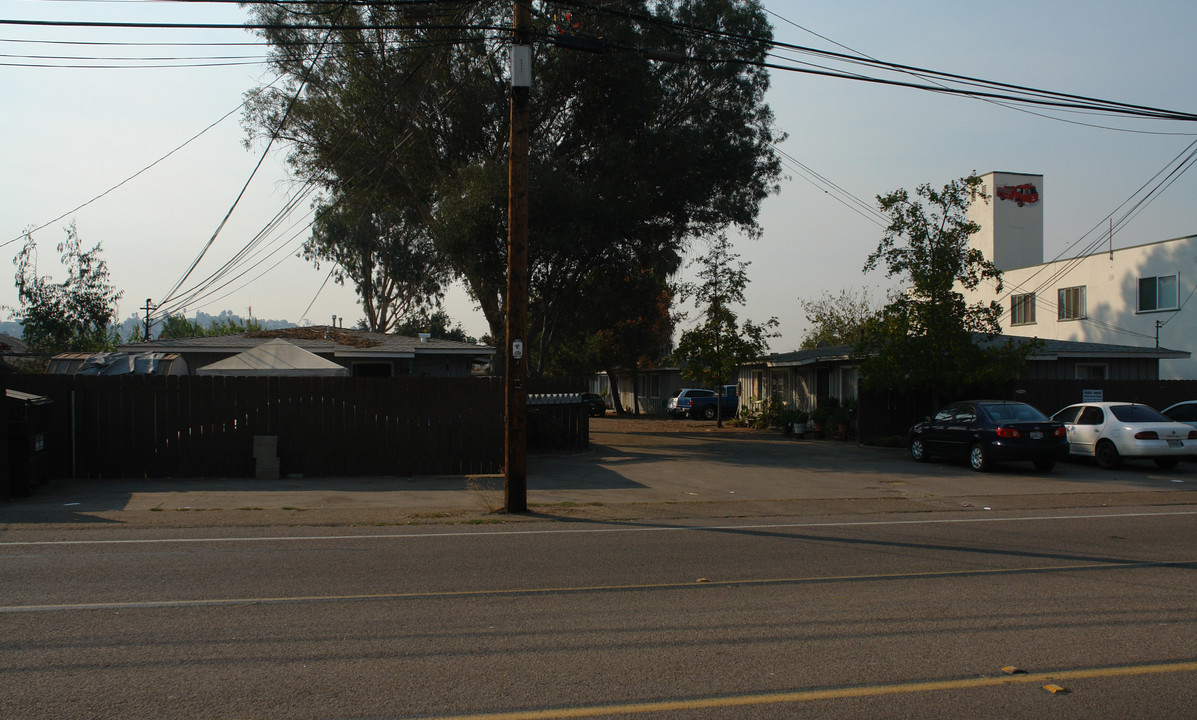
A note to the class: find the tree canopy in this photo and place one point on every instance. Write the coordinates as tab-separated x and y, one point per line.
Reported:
838	319
630	158
924	336
396	271
75	315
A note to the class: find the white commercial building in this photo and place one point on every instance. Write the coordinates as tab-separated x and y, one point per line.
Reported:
1140	295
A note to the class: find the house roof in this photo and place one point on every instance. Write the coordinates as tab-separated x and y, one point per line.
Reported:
10	344
1055	349
116	363
319	339
1048	350
275	357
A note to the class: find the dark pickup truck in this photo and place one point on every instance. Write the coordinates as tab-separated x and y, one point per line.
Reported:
696	403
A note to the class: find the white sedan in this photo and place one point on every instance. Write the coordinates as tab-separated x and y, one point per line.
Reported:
1185	412
1110	431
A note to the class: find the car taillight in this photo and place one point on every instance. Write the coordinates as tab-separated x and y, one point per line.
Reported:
1008	432
1059	432
1147	435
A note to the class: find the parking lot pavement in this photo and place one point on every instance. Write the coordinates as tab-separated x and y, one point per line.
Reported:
635	468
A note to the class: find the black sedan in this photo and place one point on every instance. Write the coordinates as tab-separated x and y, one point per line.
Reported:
596	406
989	431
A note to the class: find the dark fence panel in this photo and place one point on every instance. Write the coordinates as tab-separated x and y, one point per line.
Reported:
558	427
203	426
1052	395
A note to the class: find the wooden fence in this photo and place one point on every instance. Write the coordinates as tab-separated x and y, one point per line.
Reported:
198	426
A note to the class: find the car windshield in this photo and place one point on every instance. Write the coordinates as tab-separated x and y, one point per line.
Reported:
1137	413
1014	412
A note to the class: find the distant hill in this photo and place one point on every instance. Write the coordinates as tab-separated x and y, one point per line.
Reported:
204	319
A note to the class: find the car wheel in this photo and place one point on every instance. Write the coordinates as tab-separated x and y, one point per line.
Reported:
708	413
1107	455
918	450
1166	463
977	458
1044	464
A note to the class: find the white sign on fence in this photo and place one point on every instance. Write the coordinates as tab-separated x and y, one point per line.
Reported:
1090	395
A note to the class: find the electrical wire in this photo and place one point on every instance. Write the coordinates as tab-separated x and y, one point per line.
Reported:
184	144
207	288
262	159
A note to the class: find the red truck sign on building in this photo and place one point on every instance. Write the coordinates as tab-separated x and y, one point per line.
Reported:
1022	194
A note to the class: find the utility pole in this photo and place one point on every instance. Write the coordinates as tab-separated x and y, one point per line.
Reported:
148	308
515	465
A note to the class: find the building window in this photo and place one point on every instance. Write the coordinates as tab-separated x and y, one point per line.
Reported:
1022	309
848	383
1159	293
778	380
1092	371
1072	303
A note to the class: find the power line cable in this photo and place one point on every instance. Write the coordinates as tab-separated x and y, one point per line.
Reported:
282	123
206	288
144	169
1044	96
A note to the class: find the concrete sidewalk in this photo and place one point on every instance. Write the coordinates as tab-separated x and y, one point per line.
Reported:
633	470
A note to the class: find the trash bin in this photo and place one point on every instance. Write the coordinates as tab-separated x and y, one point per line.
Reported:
28	461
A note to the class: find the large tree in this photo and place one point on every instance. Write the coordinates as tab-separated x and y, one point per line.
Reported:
712	352
631	158
838	319
394	267
75	315
924	338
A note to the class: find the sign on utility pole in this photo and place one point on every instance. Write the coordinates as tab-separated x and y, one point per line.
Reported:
515	465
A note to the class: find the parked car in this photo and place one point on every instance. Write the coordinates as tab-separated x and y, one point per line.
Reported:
1111	431
679	403
595	404
990	431
1185	412
699	402
706	407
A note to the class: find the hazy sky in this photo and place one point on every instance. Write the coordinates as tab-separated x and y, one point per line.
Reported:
71	133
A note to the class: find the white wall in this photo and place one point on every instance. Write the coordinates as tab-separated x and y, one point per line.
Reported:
1111	283
1011	234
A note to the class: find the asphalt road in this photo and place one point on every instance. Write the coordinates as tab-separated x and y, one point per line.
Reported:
881	616
672	571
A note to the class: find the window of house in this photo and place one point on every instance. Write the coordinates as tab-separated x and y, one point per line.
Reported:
1072	303
778	380
848	383
1092	371
1159	293
1022	309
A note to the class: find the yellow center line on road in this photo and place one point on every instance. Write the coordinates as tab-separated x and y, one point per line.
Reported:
698	583
829	694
